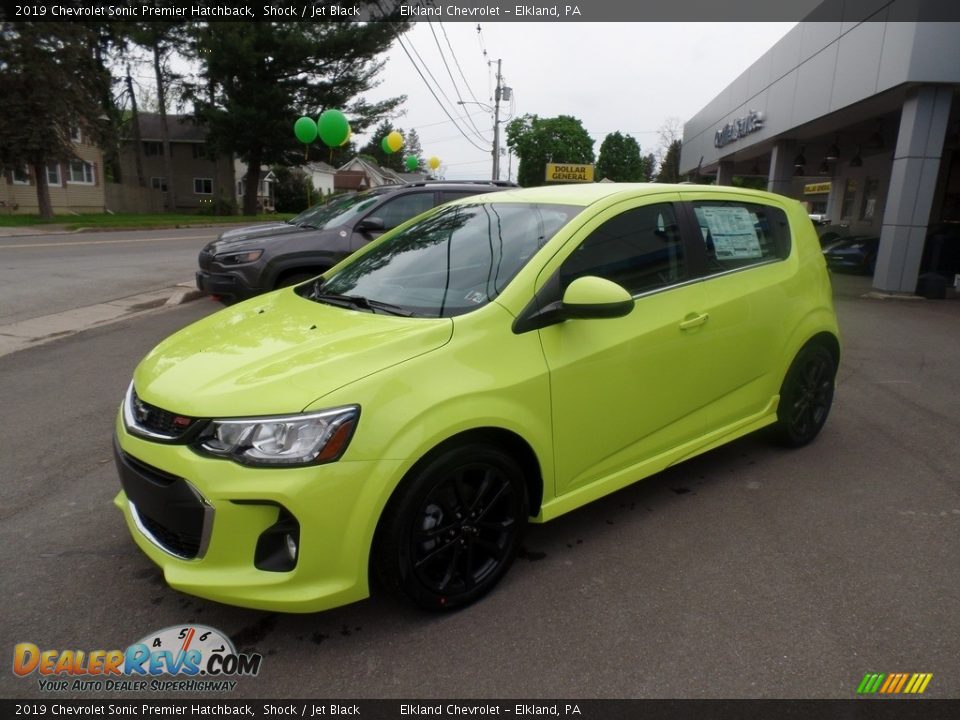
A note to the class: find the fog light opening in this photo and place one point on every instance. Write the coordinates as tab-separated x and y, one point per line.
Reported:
278	547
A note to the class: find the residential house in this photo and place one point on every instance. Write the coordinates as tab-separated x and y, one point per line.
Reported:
321	177
200	178
265	190
360	174
76	185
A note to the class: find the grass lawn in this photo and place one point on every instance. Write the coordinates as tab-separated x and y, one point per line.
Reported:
131	221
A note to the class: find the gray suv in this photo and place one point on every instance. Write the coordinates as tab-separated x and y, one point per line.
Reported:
249	261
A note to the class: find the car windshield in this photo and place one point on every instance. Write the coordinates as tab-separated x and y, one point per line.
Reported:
337	211
453	261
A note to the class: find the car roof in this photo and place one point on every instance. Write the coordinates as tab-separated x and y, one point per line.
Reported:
589	193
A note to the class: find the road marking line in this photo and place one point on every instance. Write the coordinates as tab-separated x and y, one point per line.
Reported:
103	242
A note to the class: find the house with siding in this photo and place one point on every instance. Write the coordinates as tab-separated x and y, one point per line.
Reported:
200	178
76	185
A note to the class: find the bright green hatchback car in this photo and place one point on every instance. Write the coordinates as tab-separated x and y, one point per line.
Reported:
502	359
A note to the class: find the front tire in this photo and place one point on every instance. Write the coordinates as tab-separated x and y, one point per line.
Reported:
452	529
805	396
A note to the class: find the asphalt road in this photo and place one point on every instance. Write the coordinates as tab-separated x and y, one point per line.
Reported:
44	274
747	572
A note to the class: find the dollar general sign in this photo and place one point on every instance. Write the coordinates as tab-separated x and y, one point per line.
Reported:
569	173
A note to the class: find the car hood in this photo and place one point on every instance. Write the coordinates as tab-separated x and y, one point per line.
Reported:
277	353
268	238
273	228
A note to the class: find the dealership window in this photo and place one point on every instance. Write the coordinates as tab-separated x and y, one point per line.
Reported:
20	175
203	186
870	192
53	174
80	172
849	198
739	234
152	148
639	249
75	133
158	183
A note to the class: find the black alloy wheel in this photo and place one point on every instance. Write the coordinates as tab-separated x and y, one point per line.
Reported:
806	396
453	528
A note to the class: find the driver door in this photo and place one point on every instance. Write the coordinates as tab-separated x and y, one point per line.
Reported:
625	389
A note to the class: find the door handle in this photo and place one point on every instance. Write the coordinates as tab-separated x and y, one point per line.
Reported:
693	320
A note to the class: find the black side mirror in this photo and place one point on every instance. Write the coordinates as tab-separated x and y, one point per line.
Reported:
370	225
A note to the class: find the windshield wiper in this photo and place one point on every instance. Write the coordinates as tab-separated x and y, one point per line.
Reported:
358	301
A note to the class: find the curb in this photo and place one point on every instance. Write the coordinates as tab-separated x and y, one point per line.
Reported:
184	293
41	330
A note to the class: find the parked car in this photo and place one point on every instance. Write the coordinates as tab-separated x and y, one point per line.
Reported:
302	222
247	262
856	253
502	359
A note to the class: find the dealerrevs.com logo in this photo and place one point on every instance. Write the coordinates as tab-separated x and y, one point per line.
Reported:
200	658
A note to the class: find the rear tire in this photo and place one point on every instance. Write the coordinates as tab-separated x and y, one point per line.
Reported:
805	396
452	529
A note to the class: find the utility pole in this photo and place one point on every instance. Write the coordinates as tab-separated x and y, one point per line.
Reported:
496	126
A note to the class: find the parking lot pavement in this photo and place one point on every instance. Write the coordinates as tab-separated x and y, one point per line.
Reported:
749	571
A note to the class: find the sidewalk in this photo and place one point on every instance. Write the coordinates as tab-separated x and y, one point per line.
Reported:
40	230
37	331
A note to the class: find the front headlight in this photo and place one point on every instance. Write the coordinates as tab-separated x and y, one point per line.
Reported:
285	441
238	258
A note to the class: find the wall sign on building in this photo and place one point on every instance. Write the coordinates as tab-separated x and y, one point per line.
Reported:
741	127
816	188
557	172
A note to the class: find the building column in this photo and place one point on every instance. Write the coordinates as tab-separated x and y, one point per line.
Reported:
725	172
780	179
913	180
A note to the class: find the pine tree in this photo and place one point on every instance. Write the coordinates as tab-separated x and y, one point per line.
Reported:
50	82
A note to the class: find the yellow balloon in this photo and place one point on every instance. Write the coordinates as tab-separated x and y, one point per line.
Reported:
349	135
395	141
434	163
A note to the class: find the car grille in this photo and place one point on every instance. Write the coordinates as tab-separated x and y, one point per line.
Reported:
183	544
167	509
160	421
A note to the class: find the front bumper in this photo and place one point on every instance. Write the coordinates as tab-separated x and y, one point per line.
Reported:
336	505
225	285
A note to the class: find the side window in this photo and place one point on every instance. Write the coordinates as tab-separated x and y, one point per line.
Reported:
399	210
740	234
639	249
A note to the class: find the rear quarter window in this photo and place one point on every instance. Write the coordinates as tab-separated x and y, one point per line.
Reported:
740	234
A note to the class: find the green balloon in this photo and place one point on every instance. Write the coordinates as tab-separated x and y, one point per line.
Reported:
305	129
333	127
385	147
412	162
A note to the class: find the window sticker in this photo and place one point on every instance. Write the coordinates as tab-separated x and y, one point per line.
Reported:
733	230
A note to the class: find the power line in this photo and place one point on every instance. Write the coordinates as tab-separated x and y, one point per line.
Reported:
452	81
457	62
442	107
427	68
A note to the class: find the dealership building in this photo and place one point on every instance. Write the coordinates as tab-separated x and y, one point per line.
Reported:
858	119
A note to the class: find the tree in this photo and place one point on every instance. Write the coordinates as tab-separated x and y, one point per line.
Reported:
620	159
374	150
46	68
649	167
670	167
411	146
291	189
260	77
162	39
538	141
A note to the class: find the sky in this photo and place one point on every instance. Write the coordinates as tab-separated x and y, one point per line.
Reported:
631	77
